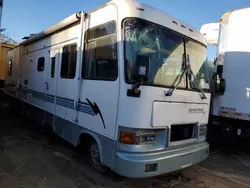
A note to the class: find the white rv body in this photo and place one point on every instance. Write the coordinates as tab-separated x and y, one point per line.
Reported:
98	103
233	55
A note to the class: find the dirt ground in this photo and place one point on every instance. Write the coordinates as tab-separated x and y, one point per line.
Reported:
33	158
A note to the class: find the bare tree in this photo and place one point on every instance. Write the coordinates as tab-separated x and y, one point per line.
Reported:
5	39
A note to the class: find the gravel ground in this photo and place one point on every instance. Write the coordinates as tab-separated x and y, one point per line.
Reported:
33	158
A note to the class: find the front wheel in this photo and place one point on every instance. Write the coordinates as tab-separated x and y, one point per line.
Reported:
94	157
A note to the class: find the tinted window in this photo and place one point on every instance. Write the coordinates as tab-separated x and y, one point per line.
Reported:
101	31
10	68
52	70
68	66
100	60
40	64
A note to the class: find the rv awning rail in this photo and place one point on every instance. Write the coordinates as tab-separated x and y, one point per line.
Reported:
62	24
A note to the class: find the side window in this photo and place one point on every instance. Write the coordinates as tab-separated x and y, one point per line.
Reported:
9	68
68	66
40	64
100	60
52	68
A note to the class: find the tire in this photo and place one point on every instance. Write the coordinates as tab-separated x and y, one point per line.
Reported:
94	157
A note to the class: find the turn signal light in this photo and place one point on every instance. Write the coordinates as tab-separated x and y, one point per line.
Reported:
127	138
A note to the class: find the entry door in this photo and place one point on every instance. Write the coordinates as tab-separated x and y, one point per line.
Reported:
51	86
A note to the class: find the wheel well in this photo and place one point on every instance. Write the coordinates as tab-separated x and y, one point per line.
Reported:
84	141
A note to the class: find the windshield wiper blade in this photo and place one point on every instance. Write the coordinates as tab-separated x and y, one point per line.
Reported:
170	92
178	78
190	74
186	69
198	87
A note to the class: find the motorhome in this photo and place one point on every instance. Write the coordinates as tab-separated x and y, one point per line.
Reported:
125	82
231	89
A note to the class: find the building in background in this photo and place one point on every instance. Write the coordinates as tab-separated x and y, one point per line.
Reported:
4	48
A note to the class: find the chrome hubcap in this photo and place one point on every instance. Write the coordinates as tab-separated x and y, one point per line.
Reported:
95	154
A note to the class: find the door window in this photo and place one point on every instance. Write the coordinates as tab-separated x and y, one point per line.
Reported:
68	66
52	69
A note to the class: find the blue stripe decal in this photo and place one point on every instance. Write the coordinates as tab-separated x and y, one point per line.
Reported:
65	104
87	110
50	100
68	103
64	99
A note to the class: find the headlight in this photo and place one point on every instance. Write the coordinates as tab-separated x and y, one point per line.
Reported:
145	137
135	138
203	130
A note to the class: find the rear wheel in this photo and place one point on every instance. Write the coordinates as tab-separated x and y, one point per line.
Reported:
94	157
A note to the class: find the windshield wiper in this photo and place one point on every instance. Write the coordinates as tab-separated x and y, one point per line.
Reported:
190	74
186	69
179	78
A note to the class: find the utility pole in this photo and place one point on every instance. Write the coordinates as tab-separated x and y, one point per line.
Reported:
1	12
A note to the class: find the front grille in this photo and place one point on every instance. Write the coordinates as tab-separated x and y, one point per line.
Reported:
182	132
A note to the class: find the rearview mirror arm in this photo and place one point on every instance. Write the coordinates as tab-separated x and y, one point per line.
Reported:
134	91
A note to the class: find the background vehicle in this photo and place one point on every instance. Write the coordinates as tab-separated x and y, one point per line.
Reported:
230	107
4	47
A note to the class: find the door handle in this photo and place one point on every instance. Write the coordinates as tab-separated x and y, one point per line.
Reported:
47	85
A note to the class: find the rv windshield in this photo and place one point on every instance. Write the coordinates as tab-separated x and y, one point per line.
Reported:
199	64
165	49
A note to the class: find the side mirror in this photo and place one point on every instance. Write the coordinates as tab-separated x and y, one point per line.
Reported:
222	86
215	60
220	70
141	68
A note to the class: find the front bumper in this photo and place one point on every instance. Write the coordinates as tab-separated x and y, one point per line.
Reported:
133	165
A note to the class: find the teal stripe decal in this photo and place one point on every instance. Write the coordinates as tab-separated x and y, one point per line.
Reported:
67	103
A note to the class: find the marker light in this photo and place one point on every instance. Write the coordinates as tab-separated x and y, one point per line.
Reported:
175	22
140	9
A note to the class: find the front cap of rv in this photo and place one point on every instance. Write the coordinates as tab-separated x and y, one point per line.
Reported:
156	133
145	109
